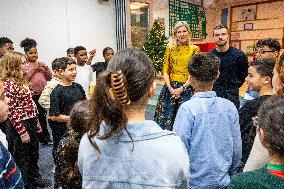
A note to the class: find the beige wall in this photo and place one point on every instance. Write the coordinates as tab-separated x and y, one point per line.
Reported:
268	22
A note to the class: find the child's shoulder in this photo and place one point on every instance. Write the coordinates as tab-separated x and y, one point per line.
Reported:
97	65
245	178
226	105
53	82
59	89
76	85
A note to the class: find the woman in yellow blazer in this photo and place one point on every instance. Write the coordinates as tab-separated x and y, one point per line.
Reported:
177	88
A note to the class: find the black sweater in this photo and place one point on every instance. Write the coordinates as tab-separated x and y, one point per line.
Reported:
248	131
233	71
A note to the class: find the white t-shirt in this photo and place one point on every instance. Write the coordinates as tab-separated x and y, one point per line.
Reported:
84	77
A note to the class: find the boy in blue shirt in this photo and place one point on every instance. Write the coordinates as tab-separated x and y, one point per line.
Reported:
209	127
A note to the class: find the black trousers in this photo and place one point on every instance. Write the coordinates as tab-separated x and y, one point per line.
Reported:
26	155
44	136
59	130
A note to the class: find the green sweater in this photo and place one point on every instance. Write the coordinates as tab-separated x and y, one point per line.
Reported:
258	179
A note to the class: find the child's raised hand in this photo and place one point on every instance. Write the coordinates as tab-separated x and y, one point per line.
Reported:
93	52
26	138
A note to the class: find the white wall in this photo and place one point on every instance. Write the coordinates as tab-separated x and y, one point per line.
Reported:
58	25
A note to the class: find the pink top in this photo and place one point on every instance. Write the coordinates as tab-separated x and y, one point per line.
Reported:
38	77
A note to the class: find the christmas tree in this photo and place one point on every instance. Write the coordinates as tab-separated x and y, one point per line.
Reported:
155	46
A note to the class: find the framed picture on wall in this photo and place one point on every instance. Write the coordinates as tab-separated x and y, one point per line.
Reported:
248	26
248	13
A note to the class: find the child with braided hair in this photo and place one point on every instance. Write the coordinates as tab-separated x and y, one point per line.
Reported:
124	149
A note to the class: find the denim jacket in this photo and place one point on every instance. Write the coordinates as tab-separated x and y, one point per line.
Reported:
155	159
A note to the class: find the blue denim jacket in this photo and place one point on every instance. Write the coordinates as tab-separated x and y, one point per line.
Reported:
155	159
209	127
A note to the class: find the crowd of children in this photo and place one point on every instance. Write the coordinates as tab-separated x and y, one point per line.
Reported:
31	95
101	138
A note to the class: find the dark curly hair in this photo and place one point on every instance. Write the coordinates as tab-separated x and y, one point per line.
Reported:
273	44
70	50
264	66
77	49
62	63
271	120
204	67
27	44
70	176
4	40
138	73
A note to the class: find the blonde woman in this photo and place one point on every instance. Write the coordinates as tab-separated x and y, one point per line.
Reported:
177	88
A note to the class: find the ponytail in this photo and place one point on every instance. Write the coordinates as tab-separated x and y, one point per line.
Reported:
122	89
108	105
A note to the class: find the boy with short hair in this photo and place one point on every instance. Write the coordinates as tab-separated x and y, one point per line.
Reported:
62	99
84	71
70	53
259	79
265	48
209	127
99	67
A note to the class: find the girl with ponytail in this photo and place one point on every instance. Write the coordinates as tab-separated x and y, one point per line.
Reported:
121	149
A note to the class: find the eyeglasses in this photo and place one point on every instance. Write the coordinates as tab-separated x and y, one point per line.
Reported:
262	52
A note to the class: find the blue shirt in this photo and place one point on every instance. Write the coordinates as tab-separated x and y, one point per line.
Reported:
209	127
154	158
